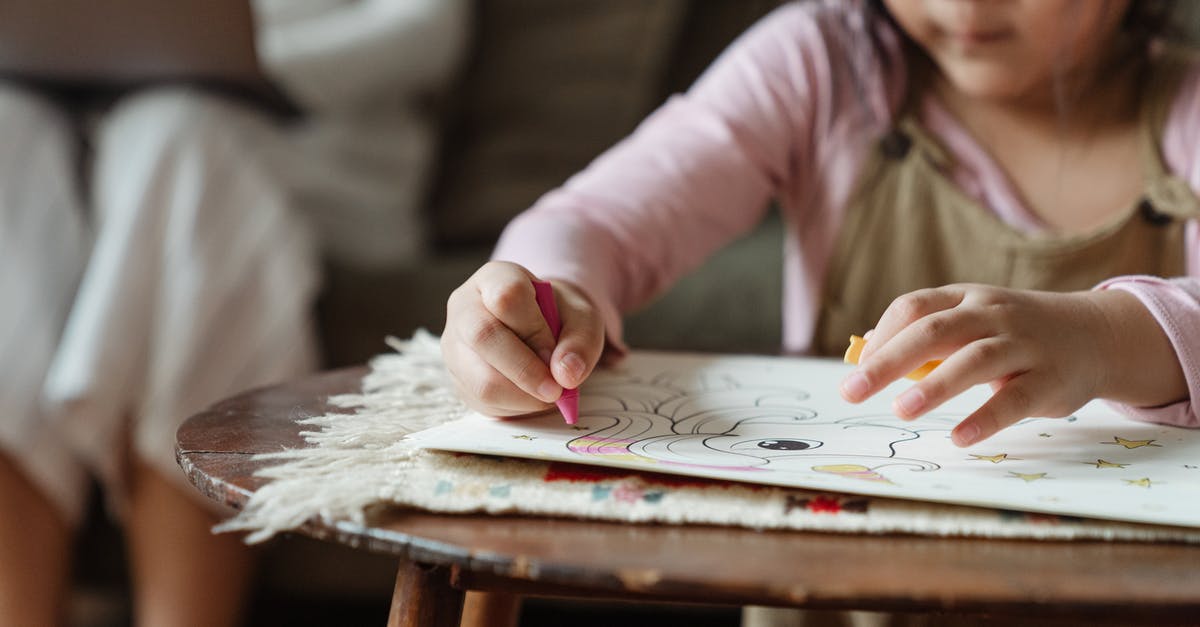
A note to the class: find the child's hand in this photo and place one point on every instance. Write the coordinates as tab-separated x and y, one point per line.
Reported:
496	343
1044	353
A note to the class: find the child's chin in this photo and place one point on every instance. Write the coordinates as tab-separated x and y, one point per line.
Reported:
987	81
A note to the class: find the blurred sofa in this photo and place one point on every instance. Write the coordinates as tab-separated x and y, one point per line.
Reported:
546	87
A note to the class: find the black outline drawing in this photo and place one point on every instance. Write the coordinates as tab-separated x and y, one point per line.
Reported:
715	421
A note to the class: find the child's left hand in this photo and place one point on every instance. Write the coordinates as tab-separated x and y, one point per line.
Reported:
1044	353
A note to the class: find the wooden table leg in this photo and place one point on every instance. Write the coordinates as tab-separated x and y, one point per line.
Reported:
491	609
424	597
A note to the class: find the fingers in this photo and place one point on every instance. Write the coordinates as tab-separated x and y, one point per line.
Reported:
909	308
483	388
582	338
932	336
1025	344
1016	400
981	361
499	347
506	291
493	318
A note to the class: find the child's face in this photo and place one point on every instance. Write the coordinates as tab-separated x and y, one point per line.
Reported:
1009	49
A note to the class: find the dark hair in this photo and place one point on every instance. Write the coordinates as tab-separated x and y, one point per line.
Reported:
1153	20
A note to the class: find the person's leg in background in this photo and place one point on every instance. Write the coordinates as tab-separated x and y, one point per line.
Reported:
182	573
34	552
43	243
200	285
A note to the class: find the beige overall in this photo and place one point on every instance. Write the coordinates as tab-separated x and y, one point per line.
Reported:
908	226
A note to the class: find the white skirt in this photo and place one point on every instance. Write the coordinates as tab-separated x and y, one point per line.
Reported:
163	271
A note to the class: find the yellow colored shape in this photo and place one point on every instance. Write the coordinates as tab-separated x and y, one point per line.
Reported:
852	471
1120	441
841	469
1144	482
995	459
1027	477
1100	463
854	352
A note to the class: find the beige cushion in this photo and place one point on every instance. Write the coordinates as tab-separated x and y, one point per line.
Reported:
550	85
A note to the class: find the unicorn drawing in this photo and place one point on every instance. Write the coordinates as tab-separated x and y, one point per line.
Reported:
743	428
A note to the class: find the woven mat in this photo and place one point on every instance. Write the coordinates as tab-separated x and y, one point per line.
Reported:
361	461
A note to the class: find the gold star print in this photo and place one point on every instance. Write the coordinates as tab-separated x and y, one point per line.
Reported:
578	428
524	437
995	459
1100	463
1027	477
1044	435
1120	441
1144	482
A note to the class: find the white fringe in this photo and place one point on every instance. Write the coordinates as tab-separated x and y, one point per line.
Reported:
355	460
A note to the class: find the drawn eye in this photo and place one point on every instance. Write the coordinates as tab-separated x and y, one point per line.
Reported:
785	445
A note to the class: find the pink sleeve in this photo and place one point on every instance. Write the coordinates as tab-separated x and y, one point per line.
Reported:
1175	304
696	174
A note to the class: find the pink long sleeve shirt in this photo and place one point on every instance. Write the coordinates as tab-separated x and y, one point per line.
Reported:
789	112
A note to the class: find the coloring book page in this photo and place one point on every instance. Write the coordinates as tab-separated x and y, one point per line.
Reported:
781	421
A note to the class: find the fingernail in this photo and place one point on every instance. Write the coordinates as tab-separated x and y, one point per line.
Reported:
549	391
965	434
573	365
911	401
855	386
868	334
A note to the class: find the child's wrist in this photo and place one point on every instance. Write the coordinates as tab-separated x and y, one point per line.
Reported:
1138	363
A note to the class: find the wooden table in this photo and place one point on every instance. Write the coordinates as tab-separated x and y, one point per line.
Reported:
442	556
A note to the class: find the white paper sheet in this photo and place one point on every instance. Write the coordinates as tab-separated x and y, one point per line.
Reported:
781	421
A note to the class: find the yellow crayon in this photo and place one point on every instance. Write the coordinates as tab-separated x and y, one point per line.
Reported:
856	348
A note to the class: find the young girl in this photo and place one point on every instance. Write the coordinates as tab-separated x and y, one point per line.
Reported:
1007	186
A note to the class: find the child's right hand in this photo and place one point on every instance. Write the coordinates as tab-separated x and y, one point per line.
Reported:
496	343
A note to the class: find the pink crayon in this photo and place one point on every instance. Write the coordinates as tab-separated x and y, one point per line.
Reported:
568	403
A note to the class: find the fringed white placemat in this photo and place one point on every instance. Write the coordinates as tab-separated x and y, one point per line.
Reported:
360	461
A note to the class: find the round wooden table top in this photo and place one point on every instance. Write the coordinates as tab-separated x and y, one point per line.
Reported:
1110	581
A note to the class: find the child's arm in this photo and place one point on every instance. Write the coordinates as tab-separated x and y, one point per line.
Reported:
696	174
1044	353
